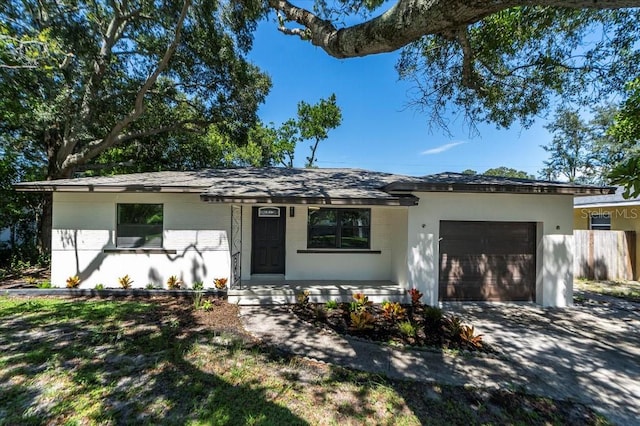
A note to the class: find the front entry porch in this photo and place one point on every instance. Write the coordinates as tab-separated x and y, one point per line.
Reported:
278	291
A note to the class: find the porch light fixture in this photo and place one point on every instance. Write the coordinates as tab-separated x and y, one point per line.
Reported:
292	211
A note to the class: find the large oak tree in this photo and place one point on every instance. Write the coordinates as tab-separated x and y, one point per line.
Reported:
78	77
501	61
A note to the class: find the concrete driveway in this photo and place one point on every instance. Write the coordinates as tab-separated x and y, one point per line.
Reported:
589	353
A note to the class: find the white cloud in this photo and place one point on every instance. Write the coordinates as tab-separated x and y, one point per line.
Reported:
441	148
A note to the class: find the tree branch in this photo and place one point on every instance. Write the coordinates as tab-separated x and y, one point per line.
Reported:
408	20
115	135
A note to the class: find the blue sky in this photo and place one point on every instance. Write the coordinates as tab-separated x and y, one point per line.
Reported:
378	131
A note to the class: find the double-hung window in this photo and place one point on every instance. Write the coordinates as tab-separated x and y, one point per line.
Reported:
331	228
139	225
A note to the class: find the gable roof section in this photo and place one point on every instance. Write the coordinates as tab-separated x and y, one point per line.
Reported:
615	199
306	186
247	185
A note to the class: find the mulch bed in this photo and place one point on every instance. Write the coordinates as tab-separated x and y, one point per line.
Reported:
430	325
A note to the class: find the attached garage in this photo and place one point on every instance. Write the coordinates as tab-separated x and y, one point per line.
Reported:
487	261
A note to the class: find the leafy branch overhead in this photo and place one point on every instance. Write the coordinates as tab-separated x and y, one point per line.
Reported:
499	61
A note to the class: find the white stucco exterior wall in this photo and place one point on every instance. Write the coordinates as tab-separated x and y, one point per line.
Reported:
84	226
552	213
388	231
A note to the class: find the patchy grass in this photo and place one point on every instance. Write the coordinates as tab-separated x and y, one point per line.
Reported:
628	290
160	361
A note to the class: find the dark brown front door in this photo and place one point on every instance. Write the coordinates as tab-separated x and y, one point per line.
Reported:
487	261
267	254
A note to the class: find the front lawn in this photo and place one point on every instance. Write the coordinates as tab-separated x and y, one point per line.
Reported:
628	290
160	361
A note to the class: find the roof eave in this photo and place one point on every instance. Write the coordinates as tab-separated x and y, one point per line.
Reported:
489	188
339	201
107	188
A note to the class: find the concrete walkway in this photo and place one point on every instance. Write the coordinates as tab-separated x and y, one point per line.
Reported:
589	353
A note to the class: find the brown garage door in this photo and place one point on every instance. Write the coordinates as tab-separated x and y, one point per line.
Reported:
487	261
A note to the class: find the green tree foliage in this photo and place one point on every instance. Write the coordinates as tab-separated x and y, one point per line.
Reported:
275	146
500	62
130	71
571	153
626	134
18	211
508	172
80	77
582	150
315	121
501	171
515	64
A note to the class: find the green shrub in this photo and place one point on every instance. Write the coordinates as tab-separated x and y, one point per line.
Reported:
407	329
150	286
44	284
432	317
99	287
207	305
198	285
331	304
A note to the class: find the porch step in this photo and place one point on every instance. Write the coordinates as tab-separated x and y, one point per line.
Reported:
256	295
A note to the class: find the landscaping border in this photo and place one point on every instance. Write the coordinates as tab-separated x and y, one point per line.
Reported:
108	292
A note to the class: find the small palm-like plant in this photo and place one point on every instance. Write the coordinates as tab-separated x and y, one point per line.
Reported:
362	320
393	311
469	338
73	282
125	282
220	283
416	295
302	298
174	283
452	326
360	303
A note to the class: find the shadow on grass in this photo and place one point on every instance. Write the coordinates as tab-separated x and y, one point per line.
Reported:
124	362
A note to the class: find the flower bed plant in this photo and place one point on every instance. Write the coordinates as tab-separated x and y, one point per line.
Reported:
414	325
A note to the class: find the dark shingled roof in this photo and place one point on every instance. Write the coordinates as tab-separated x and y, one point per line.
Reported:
306	186
458	182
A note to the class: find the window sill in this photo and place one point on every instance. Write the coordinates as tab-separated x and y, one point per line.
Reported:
341	251
139	250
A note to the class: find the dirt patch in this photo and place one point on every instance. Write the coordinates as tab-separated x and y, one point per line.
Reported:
27	278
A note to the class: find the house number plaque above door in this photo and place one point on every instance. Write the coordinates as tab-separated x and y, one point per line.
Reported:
268	212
